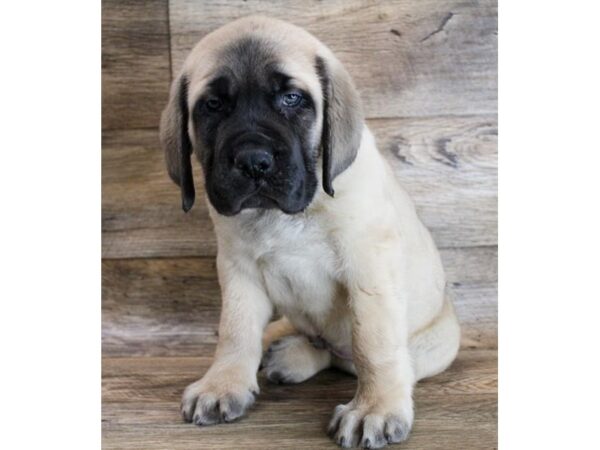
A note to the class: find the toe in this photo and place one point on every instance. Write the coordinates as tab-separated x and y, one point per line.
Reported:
347	434
335	420
187	409
207	410
372	433
396	429
230	408
188	406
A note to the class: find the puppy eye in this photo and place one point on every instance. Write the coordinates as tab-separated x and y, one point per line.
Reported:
214	104
291	99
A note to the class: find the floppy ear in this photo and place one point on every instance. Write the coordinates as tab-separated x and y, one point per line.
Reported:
342	120
176	142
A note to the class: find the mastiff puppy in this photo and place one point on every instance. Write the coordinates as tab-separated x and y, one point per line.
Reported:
312	225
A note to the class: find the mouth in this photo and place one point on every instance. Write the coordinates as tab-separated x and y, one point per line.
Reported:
261	195
260	198
256	198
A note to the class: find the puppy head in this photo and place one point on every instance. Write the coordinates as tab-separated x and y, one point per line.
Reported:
260	101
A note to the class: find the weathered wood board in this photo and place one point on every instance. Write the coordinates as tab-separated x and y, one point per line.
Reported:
407	58
135	62
454	410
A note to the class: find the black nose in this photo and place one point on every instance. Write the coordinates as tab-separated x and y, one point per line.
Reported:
254	163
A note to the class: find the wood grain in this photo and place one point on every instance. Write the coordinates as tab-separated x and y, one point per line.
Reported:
135	62
449	167
447	164
419	58
170	307
141	408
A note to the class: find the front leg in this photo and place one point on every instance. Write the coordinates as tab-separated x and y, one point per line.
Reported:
228	388
381	411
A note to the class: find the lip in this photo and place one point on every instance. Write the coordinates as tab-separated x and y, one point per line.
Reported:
261	196
241	203
271	203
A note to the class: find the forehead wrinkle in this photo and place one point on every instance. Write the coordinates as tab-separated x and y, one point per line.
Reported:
249	57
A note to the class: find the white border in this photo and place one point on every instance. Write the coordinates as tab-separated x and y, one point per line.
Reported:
50	235
50	386
549	224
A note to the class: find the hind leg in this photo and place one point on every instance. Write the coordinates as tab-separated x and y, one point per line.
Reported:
435	347
276	330
293	359
432	349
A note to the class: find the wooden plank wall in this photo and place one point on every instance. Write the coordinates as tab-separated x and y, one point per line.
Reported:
427	75
426	71
135	63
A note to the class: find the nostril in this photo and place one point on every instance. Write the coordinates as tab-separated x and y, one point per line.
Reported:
253	163
263	164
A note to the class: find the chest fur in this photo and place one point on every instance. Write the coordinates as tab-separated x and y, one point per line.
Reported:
298	267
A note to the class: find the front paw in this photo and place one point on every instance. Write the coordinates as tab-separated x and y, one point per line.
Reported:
371	426
217	398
